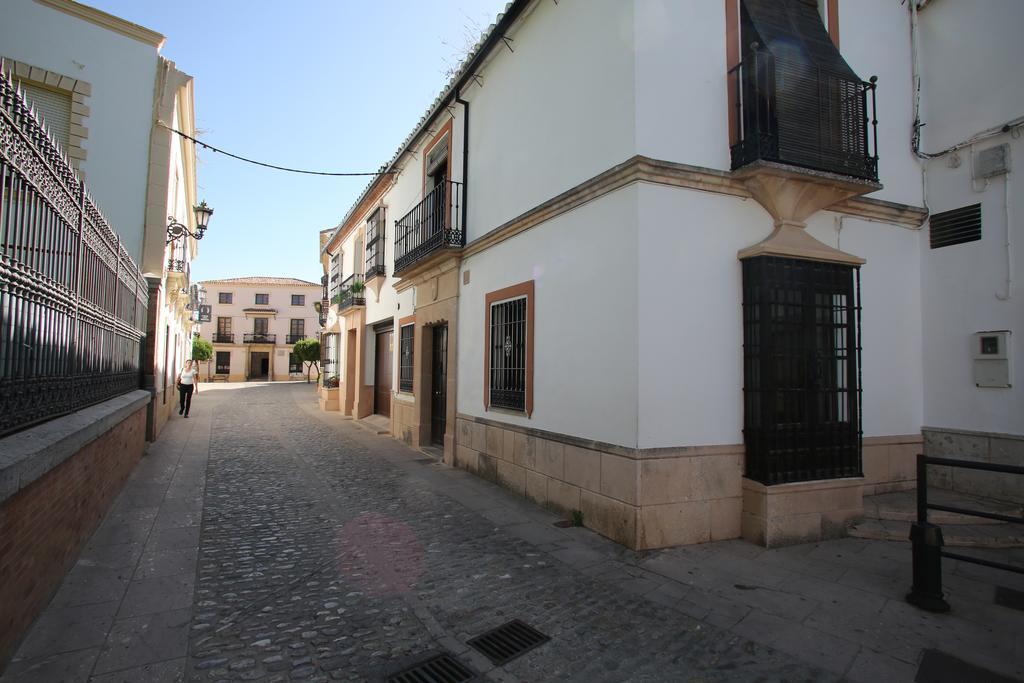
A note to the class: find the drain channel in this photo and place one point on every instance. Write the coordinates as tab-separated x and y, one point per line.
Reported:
508	641
441	668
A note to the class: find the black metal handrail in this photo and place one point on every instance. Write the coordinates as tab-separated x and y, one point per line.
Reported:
926	537
816	119
351	292
257	338
292	338
221	338
73	303
435	223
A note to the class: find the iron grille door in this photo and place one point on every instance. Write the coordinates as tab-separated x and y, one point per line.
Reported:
439	384
802	416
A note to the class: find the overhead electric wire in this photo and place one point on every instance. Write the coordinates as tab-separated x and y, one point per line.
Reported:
266	165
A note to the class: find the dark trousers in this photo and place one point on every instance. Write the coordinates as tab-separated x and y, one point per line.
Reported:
185	395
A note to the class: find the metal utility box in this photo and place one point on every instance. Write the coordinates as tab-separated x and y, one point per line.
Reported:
991	354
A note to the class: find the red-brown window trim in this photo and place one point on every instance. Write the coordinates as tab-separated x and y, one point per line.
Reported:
445	129
522	289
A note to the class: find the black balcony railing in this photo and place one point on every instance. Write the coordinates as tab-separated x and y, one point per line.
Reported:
292	338
72	302
257	338
351	293
795	113
220	338
435	223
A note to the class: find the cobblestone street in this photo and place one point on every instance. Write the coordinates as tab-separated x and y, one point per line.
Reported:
265	540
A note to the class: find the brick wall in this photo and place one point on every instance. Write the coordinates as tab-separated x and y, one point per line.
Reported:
44	526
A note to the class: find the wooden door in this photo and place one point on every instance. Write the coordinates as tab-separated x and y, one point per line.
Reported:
382	373
439	385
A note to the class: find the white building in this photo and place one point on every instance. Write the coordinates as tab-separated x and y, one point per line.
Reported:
109	98
688	294
255	324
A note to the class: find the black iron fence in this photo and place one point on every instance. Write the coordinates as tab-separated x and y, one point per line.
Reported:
292	338
793	113
223	338
259	338
435	223
72	301
351	292
926	538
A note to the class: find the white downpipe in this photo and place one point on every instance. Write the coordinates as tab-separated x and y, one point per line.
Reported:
1009	250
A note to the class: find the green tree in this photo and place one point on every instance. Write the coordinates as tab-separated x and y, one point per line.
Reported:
202	350
308	351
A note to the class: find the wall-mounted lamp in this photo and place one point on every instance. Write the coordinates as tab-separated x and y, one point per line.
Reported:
176	229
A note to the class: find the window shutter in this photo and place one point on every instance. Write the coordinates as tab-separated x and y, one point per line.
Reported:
55	108
956	226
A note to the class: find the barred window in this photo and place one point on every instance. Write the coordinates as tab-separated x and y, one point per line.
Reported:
375	243
224	297
294	364
223	362
508	354
405	368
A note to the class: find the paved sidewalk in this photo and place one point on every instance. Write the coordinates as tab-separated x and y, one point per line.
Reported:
327	552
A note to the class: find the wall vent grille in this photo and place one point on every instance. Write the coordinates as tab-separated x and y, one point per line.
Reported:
956	226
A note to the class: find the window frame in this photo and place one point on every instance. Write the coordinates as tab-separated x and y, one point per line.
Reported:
300	297
256	324
407	324
226	298
257	302
522	290
217	363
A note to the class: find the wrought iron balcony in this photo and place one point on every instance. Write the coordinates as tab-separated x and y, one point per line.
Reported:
219	338
351	293
434	224
795	113
292	338
256	338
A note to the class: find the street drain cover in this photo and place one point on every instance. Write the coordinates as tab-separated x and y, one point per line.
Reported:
508	641
441	668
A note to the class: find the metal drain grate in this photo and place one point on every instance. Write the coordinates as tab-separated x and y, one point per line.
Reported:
508	641
441	668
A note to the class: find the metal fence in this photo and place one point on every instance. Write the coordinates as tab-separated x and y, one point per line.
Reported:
72	302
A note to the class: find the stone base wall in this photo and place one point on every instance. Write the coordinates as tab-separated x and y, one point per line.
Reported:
641	499
56	482
890	463
329	400
804	512
996	448
403	419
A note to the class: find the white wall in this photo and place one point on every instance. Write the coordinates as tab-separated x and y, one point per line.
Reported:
558	111
122	72
690	316
970	68
245	297
585	342
961	284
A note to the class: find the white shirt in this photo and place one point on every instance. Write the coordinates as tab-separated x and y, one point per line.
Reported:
188	377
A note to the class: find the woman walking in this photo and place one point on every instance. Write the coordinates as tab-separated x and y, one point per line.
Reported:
188	381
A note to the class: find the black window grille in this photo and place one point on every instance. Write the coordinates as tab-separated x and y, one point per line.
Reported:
405	368
262	299
375	244
298	299
294	364
801	358
225	297
223	362
955	227
508	354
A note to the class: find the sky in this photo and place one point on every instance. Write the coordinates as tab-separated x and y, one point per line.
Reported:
327	85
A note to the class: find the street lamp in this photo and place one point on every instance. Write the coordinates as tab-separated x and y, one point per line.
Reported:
176	229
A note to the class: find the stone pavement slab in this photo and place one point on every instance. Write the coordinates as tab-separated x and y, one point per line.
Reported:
265	540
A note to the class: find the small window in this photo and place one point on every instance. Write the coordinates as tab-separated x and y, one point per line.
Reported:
294	364
405	367
225	297
955	227
223	362
298	299
262	299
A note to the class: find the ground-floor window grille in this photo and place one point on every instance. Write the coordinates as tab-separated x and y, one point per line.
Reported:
405	357
801	367
294	364
508	354
223	362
